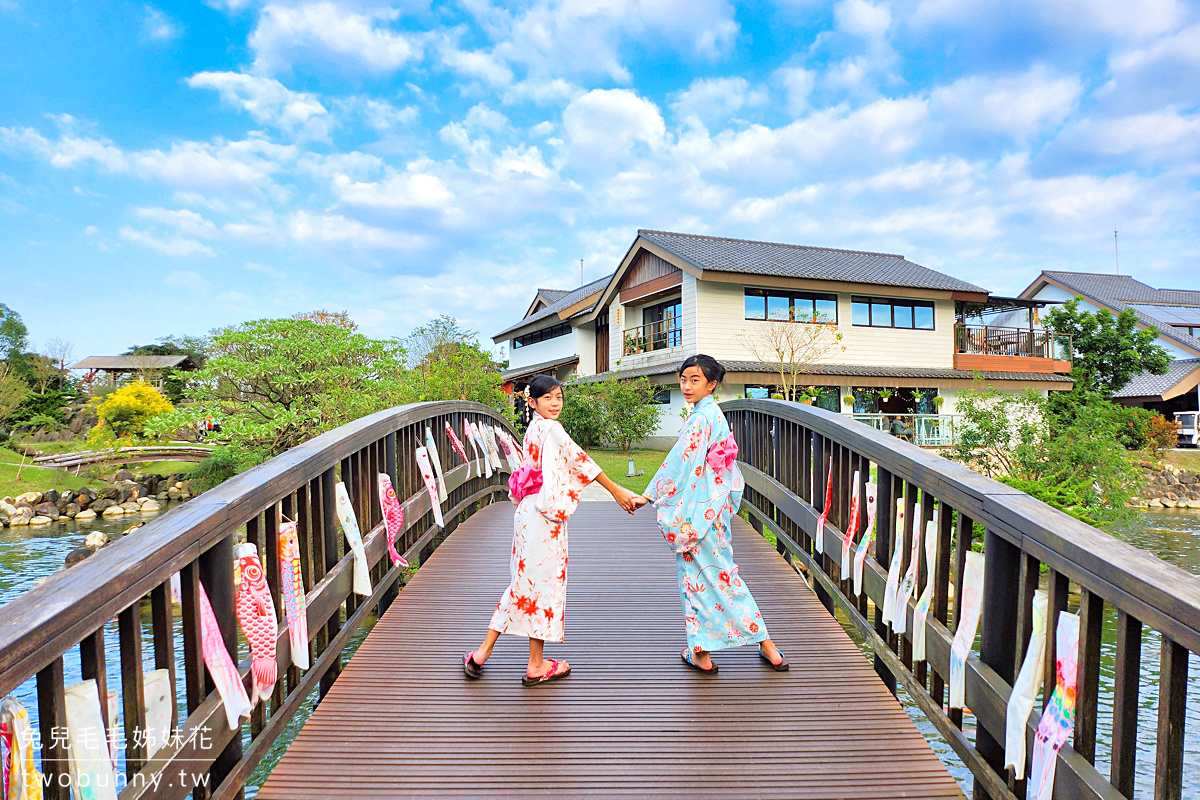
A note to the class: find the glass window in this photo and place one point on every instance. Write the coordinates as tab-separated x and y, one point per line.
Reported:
663	397
756	305
860	312
881	313
923	316
779	308
757	392
902	316
785	306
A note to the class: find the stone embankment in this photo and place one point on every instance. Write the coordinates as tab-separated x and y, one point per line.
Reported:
130	495
1170	487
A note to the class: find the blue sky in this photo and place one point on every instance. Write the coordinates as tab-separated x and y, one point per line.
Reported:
167	168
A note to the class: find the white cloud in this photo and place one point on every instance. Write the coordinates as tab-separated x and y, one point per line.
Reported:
797	83
335	230
605	125
91	230
385	117
270	272
68	151
861	18
477	64
185	220
157	27
482	117
714	100
1121	19
268	101
328	31
174	246
1021	106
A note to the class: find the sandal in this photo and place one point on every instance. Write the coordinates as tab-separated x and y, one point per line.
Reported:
552	674
782	666
470	667
686	655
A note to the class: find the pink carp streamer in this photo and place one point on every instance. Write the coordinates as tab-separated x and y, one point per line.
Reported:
852	528
820	540
256	614
457	444
506	445
220	665
291	593
393	516
860	555
430	484
1058	720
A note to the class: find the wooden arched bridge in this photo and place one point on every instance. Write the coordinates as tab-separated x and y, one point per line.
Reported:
398	719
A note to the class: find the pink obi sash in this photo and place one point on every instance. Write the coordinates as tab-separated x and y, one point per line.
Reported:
723	455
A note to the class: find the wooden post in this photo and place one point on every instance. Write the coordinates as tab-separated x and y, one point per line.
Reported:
1001	584
885	524
216	574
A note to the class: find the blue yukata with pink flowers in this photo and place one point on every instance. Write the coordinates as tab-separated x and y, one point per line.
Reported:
697	490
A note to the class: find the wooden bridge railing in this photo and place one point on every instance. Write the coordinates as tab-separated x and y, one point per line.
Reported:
40	630
788	449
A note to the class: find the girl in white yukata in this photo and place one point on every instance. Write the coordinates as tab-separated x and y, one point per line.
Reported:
697	490
535	600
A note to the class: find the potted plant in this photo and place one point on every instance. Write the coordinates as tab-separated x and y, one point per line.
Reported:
884	394
849	400
938	400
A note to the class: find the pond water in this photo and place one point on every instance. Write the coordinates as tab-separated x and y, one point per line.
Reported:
29	554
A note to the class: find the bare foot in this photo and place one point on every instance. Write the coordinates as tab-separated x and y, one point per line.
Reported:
771	651
538	670
482	654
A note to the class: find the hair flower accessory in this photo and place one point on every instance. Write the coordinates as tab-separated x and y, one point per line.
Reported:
525	393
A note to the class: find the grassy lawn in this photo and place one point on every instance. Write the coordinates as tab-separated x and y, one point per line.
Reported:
1183	459
163	467
34	479
615	466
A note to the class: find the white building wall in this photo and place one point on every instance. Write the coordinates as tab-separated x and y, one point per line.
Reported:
549	350
631	317
723	330
585	346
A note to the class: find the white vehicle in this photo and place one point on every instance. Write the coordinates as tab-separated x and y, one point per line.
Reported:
1189	428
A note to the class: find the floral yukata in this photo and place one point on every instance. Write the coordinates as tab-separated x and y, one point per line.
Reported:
534	602
697	490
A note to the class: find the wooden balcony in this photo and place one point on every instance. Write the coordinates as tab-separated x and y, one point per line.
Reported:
653	336
992	348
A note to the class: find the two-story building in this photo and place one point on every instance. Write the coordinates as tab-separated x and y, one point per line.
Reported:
1175	313
909	334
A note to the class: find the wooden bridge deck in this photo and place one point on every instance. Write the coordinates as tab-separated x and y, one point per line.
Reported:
631	720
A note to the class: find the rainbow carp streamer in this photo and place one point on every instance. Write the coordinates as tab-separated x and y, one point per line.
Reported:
291	593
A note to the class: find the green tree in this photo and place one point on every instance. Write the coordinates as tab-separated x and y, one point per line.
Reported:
616	412
275	383
583	413
446	363
13	392
175	381
1074	460
14	336
1109	351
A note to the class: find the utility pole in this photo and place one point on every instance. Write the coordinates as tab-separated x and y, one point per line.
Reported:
581	272
1116	251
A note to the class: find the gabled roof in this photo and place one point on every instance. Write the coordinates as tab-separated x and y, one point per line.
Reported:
1118	292
568	299
131	363
799	261
1180	377
845	371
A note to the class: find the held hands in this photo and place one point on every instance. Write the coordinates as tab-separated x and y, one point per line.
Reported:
629	501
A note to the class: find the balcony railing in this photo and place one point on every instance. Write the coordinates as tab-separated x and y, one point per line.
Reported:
653	336
923	430
989	340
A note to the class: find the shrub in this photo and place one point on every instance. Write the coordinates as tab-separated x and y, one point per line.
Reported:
127	409
1161	434
583	413
217	468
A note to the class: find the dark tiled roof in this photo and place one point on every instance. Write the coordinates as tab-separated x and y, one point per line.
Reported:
565	301
847	371
554	294
130	362
797	261
534	369
1122	291
1147	385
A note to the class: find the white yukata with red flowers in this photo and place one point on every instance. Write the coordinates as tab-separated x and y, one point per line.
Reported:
695	502
535	601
